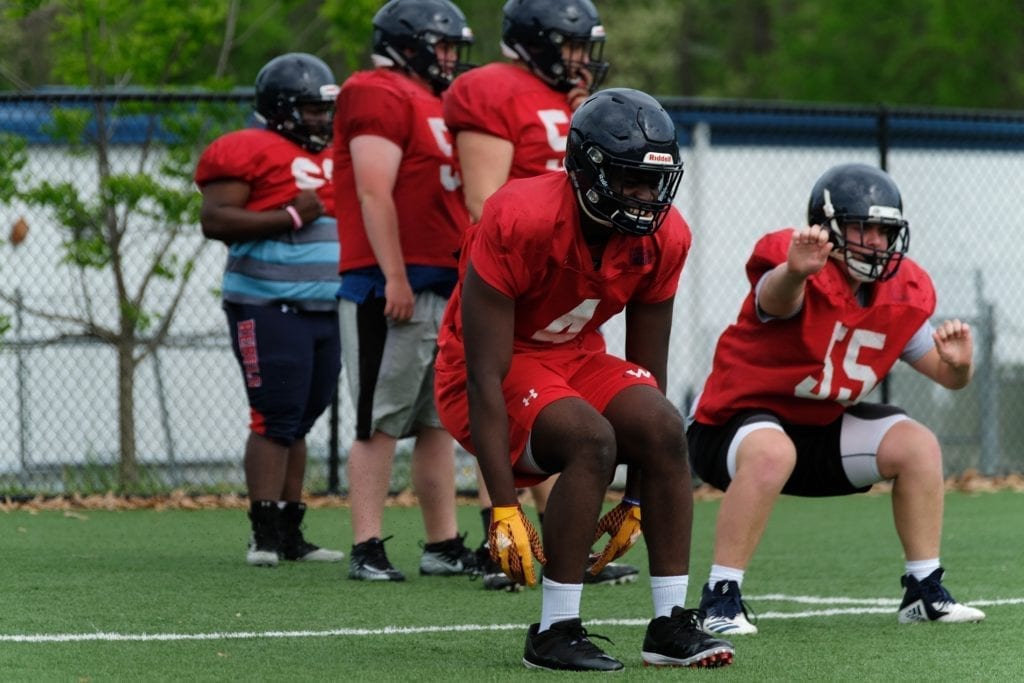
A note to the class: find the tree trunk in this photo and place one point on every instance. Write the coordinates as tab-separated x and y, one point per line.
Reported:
129	464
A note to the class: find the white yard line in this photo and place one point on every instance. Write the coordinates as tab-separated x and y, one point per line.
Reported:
856	606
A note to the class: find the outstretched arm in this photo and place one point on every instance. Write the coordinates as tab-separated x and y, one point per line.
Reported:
648	328
487	324
782	292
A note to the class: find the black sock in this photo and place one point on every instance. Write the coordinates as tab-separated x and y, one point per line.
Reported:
485	518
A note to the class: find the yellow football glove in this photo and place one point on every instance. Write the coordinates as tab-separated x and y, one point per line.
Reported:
622	523
513	543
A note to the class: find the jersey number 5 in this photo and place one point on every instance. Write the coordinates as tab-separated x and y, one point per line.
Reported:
450	179
556	125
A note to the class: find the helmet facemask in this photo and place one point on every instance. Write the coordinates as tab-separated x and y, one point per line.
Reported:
603	183
289	84
313	135
418	54
865	263
409	34
544	54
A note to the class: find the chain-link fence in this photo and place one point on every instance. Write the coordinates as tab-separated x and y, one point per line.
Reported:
90	406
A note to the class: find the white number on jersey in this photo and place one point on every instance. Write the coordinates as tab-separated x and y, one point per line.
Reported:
568	325
555	122
450	179
309	175
844	346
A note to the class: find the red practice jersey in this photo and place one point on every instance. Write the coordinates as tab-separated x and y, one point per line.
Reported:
275	168
509	102
428	197
807	369
535	254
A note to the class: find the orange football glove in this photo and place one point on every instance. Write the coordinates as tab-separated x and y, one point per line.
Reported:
622	523
513	543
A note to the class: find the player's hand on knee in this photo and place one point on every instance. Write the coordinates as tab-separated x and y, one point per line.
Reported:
514	542
622	524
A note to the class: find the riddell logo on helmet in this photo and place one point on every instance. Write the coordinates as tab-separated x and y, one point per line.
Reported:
658	158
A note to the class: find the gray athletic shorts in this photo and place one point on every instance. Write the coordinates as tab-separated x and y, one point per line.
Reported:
390	365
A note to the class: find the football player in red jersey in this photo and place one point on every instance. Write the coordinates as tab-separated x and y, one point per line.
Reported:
268	194
831	309
510	120
523	379
402	218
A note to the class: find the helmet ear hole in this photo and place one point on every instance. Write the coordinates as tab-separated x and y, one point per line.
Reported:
623	158
284	85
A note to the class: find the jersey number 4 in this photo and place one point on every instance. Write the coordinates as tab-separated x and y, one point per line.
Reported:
568	325
844	350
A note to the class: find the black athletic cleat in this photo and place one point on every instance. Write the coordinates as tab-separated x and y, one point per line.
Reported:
679	640
294	545
447	558
928	600
369	562
612	574
566	646
265	540
494	579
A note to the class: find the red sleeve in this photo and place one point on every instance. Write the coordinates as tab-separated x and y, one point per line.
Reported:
495	256
770	251
221	161
473	103
370	109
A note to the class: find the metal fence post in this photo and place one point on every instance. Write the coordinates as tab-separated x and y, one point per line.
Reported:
165	420
23	416
987	376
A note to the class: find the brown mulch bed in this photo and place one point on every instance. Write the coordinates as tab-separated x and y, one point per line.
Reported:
968	482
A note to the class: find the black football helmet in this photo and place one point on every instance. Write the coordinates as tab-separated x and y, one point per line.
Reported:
623	137
407	32
536	30
284	85
861	194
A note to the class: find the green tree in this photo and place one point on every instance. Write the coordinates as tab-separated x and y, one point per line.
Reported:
131	224
349	30
937	53
925	52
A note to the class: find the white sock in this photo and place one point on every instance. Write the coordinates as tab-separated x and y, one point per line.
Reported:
921	569
722	573
667	592
560	601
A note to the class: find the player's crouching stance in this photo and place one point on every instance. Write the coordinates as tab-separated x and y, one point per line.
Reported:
831	308
524	382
